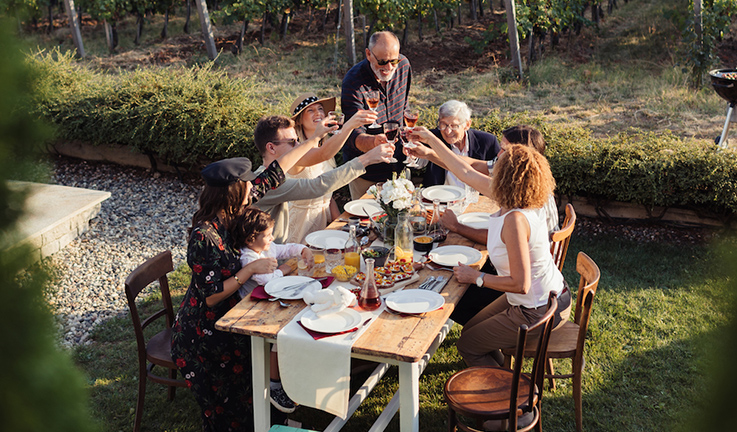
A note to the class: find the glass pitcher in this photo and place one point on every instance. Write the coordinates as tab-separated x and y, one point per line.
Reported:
368	298
417	214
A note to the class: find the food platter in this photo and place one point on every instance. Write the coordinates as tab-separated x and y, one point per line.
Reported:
452	255
331	323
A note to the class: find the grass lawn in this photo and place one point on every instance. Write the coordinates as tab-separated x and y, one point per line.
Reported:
658	314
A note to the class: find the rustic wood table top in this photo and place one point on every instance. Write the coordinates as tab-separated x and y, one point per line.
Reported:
402	338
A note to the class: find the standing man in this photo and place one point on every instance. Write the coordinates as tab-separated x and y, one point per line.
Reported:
389	72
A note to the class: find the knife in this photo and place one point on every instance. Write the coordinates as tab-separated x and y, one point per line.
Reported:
355	333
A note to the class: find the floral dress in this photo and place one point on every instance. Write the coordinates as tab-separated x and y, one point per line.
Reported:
216	364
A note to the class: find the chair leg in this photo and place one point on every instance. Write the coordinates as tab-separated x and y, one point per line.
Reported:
142	377
507	361
577	373
451	420
551	371
172	389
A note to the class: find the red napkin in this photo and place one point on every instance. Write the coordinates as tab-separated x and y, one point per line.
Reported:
319	335
405	314
259	293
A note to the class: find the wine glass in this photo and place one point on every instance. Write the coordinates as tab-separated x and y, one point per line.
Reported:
372	100
391	130
411	115
339	120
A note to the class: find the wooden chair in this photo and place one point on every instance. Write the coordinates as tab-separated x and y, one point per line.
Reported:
496	393
560	239
568	340
157	350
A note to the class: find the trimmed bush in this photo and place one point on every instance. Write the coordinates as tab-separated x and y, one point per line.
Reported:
180	115
184	115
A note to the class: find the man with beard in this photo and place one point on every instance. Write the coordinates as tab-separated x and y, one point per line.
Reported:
386	70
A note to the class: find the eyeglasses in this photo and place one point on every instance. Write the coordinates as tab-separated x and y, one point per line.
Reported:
384	62
452	127
291	141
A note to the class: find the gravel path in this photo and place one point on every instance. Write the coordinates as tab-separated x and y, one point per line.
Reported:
147	213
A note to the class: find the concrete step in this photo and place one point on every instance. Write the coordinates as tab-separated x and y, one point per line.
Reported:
55	215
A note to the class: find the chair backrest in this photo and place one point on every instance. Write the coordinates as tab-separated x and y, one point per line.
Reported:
589	281
545	326
560	239
153	269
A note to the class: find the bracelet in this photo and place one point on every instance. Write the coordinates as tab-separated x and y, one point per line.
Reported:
238	280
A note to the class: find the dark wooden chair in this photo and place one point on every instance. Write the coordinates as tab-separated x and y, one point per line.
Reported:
157	350
560	239
568	340
495	393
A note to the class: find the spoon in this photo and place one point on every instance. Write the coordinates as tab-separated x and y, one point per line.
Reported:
281	303
364	241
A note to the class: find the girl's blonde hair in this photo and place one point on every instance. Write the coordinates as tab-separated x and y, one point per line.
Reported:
521	179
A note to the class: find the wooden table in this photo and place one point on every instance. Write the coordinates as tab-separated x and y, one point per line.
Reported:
408	342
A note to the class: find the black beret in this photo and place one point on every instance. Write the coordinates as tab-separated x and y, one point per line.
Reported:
227	171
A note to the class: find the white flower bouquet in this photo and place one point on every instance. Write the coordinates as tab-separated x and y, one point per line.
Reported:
395	195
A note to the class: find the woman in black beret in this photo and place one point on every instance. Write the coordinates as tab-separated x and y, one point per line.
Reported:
216	364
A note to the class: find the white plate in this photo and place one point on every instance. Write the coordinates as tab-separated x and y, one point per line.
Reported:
478	220
362	207
327	239
332	323
452	255
444	193
274	286
414	301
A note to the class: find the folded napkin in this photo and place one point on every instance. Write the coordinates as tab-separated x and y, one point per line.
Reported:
316	372
319	335
329	300
259	293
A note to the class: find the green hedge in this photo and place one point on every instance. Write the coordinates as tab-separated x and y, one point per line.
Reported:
178	114
182	115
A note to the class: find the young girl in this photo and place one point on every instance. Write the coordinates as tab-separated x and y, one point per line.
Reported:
253	235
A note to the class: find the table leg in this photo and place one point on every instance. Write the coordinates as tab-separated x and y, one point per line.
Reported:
260	351
409	397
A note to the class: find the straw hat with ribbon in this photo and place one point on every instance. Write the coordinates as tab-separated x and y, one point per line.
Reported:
306	99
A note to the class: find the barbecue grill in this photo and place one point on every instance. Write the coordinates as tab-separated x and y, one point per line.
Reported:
724	82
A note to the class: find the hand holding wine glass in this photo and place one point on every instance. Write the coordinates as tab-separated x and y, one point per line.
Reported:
411	116
391	130
372	100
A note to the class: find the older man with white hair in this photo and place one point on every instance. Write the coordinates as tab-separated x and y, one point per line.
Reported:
454	129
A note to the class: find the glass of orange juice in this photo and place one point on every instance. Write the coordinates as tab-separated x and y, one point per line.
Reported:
318	264
352	259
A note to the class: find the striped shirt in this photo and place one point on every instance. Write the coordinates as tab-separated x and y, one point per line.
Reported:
356	82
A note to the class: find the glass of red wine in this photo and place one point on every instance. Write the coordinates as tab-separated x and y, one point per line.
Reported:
391	130
372	100
411	115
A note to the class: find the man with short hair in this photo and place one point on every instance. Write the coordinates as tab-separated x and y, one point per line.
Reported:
386	70
275	136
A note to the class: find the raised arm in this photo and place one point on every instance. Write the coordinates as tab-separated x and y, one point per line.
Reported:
292	157
332	145
455	164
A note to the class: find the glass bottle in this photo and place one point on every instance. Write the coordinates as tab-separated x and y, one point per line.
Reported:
352	249
403	248
435	229
418	214
368	298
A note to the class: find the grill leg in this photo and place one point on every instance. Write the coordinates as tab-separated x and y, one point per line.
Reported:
723	138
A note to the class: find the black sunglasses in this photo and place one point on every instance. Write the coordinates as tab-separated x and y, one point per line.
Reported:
384	62
291	141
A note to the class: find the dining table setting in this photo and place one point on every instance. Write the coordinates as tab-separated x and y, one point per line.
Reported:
320	320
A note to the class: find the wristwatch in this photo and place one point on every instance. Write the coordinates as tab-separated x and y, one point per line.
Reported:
480	280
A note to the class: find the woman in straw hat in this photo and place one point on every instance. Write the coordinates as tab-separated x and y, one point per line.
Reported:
308	111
